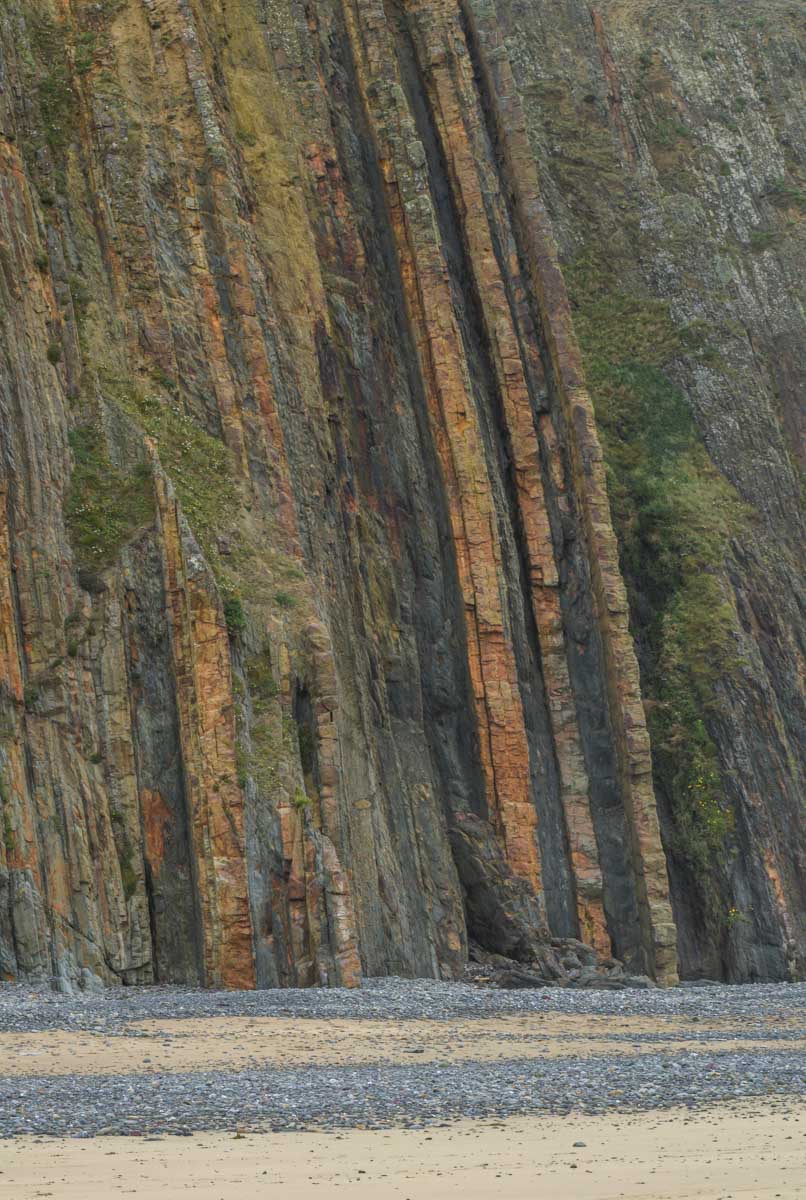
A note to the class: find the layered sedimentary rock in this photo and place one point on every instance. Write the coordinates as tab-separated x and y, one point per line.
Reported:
326	332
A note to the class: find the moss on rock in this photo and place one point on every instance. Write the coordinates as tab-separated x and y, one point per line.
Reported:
106	505
674	515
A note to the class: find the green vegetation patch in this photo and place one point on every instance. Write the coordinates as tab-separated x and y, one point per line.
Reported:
763	239
57	100
263	686
266	753
58	53
301	800
51	84
786	194
674	515
105	505
579	140
128	874
262	761
9	840
85	48
198	465
234	616
669	131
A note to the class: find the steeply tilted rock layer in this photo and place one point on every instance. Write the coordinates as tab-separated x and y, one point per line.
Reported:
400	534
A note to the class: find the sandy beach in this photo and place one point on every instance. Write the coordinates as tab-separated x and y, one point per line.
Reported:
749	1151
406	1090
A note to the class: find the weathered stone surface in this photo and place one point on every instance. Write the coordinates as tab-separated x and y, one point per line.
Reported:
316	654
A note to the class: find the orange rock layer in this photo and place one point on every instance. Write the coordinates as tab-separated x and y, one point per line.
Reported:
352	683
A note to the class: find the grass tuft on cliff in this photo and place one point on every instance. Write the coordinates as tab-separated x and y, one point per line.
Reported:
51	88
198	465
105	504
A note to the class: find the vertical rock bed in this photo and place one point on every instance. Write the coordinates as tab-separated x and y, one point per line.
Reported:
400	529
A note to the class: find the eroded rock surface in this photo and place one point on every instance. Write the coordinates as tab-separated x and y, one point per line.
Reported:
400	541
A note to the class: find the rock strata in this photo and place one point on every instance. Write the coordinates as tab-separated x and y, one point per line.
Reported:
391	560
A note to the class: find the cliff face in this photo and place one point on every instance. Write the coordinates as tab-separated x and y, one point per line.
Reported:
318	630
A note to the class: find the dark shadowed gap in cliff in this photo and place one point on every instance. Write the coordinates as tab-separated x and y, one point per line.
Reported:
148	876
302	710
584	649
544	783
171	878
